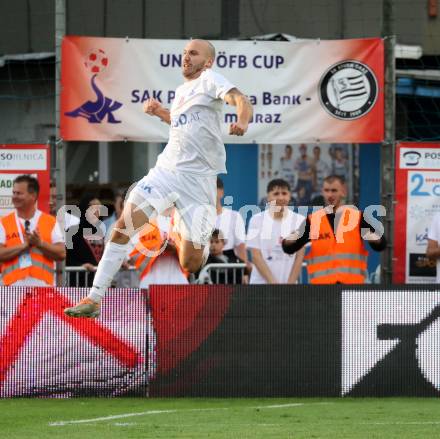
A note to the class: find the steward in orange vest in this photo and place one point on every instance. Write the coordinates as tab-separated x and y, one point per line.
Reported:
338	253
27	248
151	246
337	256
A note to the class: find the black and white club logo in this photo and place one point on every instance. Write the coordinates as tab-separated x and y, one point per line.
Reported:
348	90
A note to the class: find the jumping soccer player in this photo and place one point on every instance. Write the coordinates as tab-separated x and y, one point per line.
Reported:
185	173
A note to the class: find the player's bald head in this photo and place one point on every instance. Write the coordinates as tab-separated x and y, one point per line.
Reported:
207	47
198	55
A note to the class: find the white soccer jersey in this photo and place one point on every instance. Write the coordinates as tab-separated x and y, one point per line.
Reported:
266	234
434	234
195	143
231	224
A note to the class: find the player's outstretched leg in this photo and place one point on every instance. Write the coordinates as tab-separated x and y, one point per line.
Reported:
195	224
193	257
116	250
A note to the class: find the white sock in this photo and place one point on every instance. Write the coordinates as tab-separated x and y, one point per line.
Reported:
110	263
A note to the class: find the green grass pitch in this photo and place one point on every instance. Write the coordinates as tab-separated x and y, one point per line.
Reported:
131	418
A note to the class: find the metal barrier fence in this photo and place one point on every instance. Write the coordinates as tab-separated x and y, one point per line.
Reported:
222	274
71	276
210	274
80	277
227	273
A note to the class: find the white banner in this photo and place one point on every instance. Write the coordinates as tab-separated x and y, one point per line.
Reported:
29	159
311	91
418	158
6	183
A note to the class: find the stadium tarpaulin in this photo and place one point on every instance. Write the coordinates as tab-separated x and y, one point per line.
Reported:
301	90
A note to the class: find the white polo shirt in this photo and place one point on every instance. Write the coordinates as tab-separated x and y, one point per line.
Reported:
266	234
232	227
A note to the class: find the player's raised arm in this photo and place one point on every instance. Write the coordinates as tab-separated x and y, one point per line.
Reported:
244	111
154	108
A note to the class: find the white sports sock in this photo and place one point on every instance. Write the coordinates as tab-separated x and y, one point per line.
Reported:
110	263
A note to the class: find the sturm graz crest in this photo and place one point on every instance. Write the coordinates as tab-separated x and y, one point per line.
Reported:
348	90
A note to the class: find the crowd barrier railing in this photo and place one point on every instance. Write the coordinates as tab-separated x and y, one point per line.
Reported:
210	274
215	273
79	276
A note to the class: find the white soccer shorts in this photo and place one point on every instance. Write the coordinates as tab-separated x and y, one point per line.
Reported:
194	197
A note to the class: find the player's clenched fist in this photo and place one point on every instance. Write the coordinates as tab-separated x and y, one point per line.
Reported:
151	106
237	129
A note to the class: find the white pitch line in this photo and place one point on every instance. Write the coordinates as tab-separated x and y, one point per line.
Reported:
128	415
157	412
405	423
109	418
124	424
276	406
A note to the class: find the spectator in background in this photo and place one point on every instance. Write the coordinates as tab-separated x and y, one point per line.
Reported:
217	256
286	166
31	241
118	204
433	249
87	243
305	169
69	219
265	234
340	163
336	233
232	227
156	255
321	168
303	198
269	158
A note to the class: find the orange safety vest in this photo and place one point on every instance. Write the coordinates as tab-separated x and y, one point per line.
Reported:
330	261
42	267
150	239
